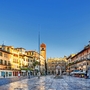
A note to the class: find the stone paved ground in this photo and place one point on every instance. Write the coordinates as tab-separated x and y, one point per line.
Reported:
49	83
4	81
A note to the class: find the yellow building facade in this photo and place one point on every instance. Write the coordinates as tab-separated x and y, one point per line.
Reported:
5	62
53	62
37	57
15	60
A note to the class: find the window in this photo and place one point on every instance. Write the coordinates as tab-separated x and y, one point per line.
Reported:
2	73
15	60
8	49
5	55
0	53
8	62
31	53
1	61
5	62
27	60
10	73
42	49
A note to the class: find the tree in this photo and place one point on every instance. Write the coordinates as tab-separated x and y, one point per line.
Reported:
35	63
26	68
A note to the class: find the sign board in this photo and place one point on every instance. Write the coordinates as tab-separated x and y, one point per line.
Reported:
23	71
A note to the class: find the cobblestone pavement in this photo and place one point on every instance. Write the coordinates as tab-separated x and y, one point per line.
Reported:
49	83
4	81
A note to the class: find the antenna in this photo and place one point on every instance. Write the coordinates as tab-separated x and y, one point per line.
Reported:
39	53
3	42
39	47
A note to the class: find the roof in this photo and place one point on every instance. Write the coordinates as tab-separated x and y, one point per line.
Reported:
42	45
70	56
20	48
85	48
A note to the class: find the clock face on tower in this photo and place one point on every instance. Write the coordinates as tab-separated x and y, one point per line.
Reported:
42	49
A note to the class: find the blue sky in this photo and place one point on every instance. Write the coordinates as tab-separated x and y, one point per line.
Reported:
64	25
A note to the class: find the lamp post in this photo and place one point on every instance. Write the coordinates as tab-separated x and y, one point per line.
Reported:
39	54
69	67
29	71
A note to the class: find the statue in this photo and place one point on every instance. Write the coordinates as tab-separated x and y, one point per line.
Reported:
58	72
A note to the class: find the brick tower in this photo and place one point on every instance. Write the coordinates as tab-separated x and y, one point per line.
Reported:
43	50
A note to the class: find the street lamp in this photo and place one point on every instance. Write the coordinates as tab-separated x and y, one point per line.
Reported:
29	71
39	54
69	67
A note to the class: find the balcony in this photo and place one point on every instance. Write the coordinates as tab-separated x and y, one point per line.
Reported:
77	61
9	64
8	67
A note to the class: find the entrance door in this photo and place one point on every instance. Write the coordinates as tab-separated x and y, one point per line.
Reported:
6	74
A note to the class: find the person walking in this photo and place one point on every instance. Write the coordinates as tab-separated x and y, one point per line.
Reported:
4	76
19	75
86	75
29	75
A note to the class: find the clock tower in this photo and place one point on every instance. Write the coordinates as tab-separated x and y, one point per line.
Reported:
43	50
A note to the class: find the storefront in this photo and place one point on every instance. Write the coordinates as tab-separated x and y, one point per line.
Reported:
24	72
6	73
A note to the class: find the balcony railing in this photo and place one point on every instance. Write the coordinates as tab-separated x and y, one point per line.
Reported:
77	61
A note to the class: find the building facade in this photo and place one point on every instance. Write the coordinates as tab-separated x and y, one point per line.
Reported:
53	62
14	61
81	61
5	63
39	58
69	60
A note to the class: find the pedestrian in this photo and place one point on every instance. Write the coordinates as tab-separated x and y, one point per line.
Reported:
29	75
39	75
86	75
18	74
4	76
